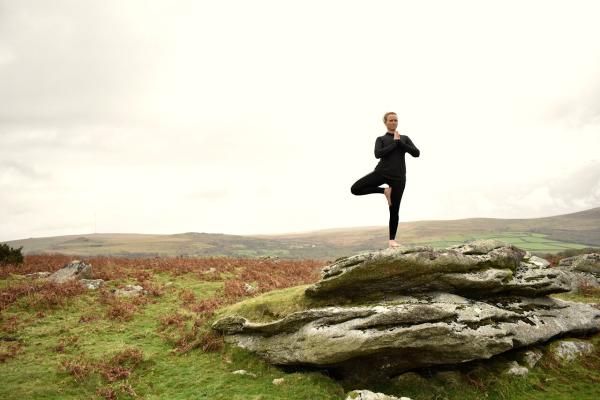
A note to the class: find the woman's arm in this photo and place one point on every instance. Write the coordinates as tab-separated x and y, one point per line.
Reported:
381	150
409	147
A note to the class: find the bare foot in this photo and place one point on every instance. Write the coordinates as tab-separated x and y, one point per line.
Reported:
388	195
393	243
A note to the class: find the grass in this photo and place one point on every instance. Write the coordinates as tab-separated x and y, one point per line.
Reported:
278	304
269	306
61	343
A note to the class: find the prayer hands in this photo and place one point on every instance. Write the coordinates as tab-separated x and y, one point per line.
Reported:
396	135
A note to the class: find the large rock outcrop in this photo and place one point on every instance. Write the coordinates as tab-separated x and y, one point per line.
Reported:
476	269
393	310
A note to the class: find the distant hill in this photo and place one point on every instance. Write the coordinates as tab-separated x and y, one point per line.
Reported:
539	235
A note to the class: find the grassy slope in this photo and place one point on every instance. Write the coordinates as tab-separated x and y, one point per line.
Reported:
34	372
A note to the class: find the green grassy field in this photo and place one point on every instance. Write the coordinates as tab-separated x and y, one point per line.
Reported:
534	242
83	345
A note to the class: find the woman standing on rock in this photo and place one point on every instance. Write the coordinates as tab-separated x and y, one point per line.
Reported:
391	169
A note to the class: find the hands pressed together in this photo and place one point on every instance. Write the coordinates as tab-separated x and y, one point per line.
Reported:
396	135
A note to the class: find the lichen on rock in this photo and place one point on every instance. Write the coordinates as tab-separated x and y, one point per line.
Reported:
477	269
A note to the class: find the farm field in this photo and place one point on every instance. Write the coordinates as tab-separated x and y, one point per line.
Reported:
534	242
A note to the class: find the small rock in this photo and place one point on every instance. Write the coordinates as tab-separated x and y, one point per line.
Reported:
516	370
584	271
74	270
278	381
569	350
249	288
168	284
538	261
531	357
227	359
211	270
39	275
244	372
368	395
583	263
92	283
129	291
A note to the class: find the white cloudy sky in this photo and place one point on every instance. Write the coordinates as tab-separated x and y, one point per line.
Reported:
257	116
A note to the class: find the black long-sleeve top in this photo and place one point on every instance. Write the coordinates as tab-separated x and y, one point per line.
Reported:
391	154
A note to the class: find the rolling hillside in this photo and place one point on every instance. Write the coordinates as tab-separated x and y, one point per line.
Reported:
542	235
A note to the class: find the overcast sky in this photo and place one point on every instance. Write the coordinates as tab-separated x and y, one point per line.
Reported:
248	117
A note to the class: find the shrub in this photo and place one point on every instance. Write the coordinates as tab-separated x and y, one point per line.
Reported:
11	352
42	295
120	366
9	255
588	290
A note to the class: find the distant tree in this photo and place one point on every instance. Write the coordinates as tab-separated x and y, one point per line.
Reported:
9	255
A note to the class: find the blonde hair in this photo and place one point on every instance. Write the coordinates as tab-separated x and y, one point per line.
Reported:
386	115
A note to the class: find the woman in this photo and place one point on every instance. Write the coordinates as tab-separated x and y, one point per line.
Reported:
391	169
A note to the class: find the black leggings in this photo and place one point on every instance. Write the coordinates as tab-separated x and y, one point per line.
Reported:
370	184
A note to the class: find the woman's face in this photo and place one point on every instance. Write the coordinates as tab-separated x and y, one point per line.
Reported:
391	123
